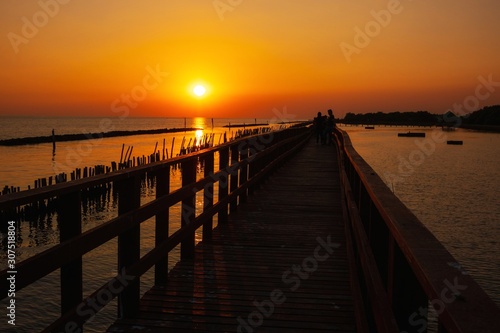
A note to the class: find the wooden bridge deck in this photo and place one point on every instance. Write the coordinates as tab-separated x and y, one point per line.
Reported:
279	265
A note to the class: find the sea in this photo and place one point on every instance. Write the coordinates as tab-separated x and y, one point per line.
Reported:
451	189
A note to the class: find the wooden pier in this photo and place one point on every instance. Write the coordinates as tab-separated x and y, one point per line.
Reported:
279	265
308	239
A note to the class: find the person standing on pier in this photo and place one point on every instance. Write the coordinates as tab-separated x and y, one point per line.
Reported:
330	125
319	125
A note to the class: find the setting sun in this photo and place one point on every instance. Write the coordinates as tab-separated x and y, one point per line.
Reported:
199	90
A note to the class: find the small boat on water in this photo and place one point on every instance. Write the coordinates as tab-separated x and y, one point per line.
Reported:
455	142
369	127
413	134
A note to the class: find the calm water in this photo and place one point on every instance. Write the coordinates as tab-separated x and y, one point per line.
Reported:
453	190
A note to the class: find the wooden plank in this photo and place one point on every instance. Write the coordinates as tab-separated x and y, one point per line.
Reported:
280	264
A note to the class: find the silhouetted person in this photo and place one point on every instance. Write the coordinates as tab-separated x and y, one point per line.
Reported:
319	126
330	125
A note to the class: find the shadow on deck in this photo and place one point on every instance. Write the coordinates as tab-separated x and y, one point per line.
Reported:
279	265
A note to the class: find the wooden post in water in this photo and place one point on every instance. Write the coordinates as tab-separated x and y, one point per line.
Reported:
156	147
129	155
53	141
163	150
121	156
172	148
182	145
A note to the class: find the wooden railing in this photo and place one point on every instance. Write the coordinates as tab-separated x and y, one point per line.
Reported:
243	164
402	268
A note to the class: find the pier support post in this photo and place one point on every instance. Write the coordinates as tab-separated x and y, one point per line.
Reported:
162	225
129	198
70	225
188	211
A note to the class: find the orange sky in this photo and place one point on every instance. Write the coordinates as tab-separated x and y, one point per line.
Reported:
74	57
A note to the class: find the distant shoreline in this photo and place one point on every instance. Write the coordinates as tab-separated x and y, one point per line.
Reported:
475	127
482	128
87	136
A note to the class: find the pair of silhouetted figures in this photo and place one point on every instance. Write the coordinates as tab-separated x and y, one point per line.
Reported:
323	126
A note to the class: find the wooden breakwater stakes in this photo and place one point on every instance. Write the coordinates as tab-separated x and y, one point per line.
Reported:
98	194
87	136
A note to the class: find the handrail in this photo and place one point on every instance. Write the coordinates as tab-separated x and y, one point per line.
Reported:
415	268
243	164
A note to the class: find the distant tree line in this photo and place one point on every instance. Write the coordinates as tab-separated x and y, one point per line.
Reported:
422	118
487	116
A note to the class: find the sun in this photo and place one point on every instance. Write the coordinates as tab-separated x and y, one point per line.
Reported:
199	90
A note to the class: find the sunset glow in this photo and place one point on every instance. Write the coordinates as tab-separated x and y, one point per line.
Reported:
361	56
199	90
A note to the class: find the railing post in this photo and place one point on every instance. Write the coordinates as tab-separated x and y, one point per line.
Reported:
129	198
408	298
70	225
243	152
188	207
223	183
162	225
390	267
233	206
208	196
253	167
380	241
